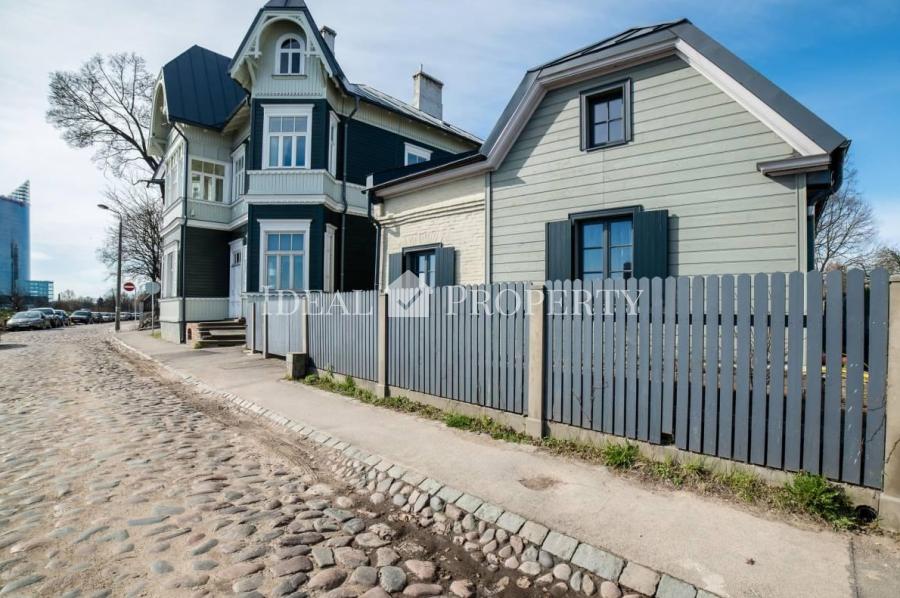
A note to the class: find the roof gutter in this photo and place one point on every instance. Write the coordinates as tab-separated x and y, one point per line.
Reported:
400	182
788	166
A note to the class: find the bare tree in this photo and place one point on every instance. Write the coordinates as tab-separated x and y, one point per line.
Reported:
106	105
887	257
141	209
845	230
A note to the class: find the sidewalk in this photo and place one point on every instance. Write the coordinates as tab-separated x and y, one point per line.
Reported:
704	541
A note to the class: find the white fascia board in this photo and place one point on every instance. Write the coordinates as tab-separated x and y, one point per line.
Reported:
752	104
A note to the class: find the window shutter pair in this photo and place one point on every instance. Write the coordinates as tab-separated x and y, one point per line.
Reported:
651	246
444	266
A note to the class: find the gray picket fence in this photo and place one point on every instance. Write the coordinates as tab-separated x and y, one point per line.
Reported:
274	323
784	371
343	333
471	347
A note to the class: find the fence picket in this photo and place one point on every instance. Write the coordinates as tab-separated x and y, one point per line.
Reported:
621	343
775	444
760	365
585	416
812	417
875	407
597	347
853	402
643	398
726	373
682	367
656	360
609	307
711	392
575	318
831	430
794	407
668	399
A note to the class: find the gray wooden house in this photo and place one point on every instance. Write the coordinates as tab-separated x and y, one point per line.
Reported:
653	152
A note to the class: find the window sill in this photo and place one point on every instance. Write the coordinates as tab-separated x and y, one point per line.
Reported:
594	148
289	76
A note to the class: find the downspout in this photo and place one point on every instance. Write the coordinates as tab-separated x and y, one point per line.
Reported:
488	241
182	321
377	282
344	191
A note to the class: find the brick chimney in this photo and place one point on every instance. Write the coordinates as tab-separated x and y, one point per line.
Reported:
428	94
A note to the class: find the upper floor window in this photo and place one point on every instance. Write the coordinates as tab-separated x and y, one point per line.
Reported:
286	143
289	60
174	166
332	143
238	168
207	180
413	154
606	116
605	248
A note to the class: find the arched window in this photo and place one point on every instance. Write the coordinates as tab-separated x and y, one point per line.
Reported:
290	59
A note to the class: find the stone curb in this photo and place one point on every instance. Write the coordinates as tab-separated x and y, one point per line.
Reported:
602	563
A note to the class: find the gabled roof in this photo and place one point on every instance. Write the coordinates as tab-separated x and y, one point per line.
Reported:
358	90
808	134
199	90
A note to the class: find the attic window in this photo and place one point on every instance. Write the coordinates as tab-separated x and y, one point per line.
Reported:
606	116
289	60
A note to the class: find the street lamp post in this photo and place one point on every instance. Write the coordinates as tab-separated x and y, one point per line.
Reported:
118	267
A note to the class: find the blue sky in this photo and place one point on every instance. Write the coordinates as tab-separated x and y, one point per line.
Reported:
841	59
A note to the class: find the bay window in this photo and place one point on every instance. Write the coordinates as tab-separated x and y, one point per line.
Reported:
207	180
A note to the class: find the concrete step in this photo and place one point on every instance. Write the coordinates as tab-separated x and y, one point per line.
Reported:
226	335
205	343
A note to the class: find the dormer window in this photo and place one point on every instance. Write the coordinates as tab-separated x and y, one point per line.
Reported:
290	56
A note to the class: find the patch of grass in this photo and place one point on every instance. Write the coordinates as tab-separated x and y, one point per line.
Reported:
156	334
458	420
668	470
745	485
806	494
620	456
816	496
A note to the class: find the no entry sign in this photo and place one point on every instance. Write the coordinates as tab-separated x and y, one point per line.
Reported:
128	286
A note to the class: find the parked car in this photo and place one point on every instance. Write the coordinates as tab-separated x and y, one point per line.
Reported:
28	320
98	317
82	316
63	316
109	316
55	322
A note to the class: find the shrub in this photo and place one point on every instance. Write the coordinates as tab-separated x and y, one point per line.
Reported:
620	456
816	496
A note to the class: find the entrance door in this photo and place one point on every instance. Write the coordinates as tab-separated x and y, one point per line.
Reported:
236	281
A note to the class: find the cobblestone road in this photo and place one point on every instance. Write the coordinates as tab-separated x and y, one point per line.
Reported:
117	482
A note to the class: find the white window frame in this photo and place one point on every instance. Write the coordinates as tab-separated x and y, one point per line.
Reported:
332	143
169	286
276	68
237	176
421	152
287	110
284	226
226	188
328	259
174	166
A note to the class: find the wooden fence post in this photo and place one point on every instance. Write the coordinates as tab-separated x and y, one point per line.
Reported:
382	346
889	503
534	421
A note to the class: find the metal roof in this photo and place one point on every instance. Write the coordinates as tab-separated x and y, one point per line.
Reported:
820	132
199	90
391	103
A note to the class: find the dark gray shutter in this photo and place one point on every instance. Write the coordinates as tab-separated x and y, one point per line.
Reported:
395	267
444	266
559	250
651	243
